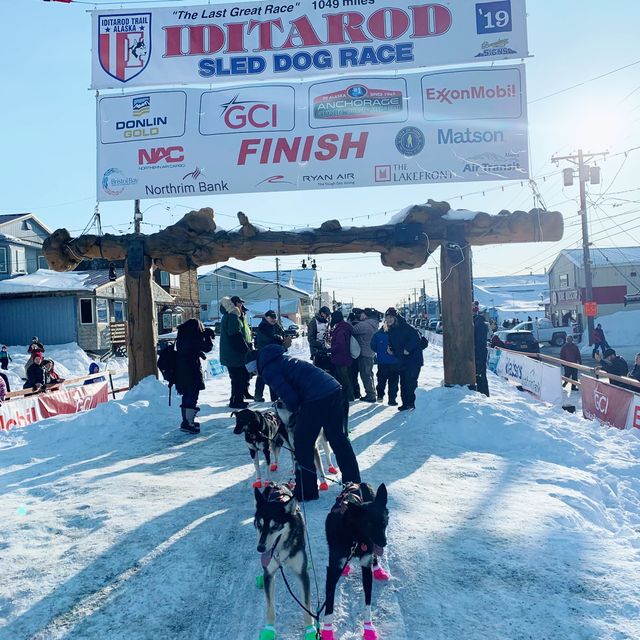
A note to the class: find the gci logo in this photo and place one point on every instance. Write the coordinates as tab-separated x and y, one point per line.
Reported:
153	156
249	114
601	401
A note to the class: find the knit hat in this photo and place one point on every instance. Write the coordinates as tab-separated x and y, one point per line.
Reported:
370	312
336	317
391	311
270	314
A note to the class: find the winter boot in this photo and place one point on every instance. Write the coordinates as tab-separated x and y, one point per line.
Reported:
185	422
192	426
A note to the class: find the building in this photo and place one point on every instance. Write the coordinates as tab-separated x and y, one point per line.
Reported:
185	293
21	238
76	306
615	273
259	292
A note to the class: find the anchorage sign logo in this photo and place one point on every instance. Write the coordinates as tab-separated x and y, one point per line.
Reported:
357	101
124	44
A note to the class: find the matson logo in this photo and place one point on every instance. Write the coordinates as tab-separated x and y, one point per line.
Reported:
169	155
468	136
475	92
241	114
357	101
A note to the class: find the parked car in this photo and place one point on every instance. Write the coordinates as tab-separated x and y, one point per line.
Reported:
292	330
433	323
439	326
523	341
544	331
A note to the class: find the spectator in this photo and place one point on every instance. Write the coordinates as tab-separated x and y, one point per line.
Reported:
354	316
54	378
480	332
496	343
363	330
192	343
246	330
404	343
268	332
635	372
316	399
318	334
5	379
614	364
233	349
5	357
388	375
571	353
37	377
30	361
3	390
94	368
341	359
35	347
599	341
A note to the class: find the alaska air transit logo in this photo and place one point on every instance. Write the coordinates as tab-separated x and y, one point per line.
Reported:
124	44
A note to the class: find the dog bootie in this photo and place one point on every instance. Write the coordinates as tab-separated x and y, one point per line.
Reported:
310	633
347	570
268	633
273	467
380	574
332	469
324	486
257	484
369	632
327	632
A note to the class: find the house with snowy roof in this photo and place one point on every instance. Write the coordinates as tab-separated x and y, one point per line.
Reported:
615	274
21	238
85	307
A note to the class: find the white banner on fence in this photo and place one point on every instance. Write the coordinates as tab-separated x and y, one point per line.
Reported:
446	126
542	380
250	41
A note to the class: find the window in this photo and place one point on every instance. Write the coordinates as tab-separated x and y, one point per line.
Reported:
118	310
245	284
233	280
204	307
42	263
208	286
633	274
169	280
86	311
564	280
26	226
166	321
19	261
3	260
176	319
102	310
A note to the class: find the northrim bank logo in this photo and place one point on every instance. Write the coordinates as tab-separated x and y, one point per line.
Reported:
124	44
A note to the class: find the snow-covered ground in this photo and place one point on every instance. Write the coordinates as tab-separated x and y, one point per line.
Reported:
622	331
508	520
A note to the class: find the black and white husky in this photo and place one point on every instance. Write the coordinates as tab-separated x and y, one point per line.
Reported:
356	525
281	542
264	433
286	417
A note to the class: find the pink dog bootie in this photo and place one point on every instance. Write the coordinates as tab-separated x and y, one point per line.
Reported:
324	486
273	467
346	571
332	469
326	632
370	632
257	484
380	574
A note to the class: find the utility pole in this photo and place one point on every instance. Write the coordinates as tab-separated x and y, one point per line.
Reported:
586	173
137	216
438	291
424	298
278	285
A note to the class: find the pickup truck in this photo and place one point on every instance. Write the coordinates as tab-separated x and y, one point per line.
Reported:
544	331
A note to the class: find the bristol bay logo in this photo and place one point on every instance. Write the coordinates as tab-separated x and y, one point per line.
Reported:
124	44
410	141
114	181
357	101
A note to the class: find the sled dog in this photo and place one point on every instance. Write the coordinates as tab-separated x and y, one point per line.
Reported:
356	523
281	531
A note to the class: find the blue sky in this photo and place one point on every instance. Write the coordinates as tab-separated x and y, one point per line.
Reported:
48	131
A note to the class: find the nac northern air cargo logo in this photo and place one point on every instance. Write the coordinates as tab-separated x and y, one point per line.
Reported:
357	101
124	44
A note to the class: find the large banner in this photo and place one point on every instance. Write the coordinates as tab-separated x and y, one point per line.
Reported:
249	41
542	380
25	411
445	126
607	403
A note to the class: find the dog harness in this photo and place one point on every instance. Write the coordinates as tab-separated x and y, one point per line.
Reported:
351	494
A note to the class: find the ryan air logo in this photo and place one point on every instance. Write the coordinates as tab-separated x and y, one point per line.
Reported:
357	101
124	44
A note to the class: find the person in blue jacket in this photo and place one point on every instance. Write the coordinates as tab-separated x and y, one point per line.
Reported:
404	344
316	399
387	366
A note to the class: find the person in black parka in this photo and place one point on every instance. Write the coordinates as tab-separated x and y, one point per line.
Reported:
192	343
268	332
37	377
480	332
316	399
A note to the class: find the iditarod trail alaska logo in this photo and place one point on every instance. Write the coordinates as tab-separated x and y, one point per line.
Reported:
124	44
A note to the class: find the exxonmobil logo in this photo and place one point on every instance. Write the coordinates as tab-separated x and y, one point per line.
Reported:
169	155
475	92
18	419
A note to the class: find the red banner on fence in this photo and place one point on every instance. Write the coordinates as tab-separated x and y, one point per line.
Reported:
25	411
604	402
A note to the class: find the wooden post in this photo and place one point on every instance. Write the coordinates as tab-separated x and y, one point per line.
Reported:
141	339
457	322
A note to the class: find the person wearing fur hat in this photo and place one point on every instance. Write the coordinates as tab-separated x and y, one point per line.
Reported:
233	348
404	344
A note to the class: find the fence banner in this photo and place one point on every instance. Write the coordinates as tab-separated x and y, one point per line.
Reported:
249	41
421	128
542	380
25	411
605	402
633	421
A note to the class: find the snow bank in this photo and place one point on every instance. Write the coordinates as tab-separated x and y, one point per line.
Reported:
621	329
